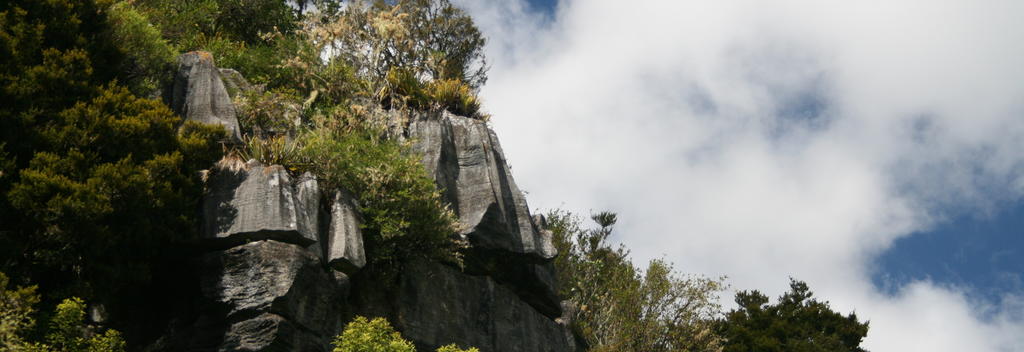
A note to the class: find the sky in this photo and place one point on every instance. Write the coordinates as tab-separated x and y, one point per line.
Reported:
870	148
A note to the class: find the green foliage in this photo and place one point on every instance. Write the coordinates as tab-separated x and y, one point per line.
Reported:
16	308
416	54
67	328
247	35
150	59
454	348
620	308
377	335
797	322
262	113
102	161
403	211
276	150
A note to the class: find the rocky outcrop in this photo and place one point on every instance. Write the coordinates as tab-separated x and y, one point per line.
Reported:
436	305
465	159
268	296
280	266
199	94
257	202
344	250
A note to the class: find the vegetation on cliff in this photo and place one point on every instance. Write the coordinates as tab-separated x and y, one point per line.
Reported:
99	181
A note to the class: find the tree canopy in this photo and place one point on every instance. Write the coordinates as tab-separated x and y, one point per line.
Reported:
796	322
620	307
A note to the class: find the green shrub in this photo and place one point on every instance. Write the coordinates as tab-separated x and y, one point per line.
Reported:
454	96
403	211
150	59
67	328
273	150
454	348
377	335
265	113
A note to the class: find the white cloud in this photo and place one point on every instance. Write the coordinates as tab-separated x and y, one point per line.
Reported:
766	140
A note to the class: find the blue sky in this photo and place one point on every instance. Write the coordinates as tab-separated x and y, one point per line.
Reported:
983	252
871	148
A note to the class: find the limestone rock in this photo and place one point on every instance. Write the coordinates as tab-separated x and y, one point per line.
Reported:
465	159
260	202
271	296
345	238
437	305
199	94
234	82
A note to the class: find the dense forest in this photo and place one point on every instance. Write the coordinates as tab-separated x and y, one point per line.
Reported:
100	179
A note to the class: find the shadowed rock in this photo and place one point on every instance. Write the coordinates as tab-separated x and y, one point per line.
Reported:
345	239
260	202
465	159
437	305
270	296
199	94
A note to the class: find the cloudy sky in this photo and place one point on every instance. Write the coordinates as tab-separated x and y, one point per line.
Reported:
874	149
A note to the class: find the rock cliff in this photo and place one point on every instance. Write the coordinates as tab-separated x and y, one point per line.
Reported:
280	262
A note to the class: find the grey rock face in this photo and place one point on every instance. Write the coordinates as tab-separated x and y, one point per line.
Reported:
234	82
271	296
260	202
437	305
345	239
465	159
199	93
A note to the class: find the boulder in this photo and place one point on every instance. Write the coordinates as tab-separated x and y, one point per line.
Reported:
259	202
436	305
344	237
199	94
268	295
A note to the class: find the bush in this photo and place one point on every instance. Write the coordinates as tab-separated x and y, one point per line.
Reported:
67	328
266	113
377	335
454	96
150	59
403	211
276	150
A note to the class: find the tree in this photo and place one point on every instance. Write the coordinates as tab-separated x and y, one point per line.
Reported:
621	308
797	322
95	181
417	54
